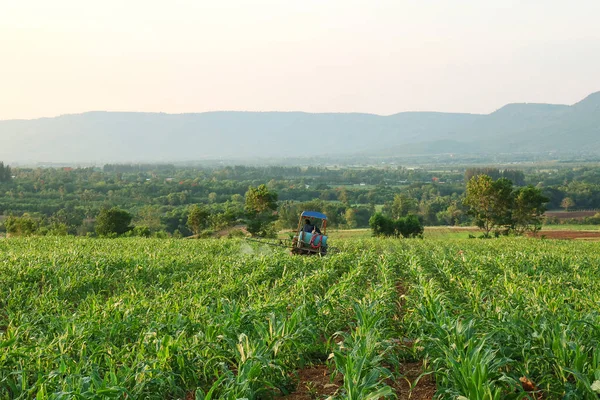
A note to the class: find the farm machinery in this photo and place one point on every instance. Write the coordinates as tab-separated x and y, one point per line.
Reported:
310	238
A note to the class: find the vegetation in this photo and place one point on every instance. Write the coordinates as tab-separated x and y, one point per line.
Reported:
261	204
567	203
155	319
497	205
407	227
21	226
489	202
5	172
160	197
197	219
113	221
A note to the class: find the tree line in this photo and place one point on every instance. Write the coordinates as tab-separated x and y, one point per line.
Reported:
58	200
5	172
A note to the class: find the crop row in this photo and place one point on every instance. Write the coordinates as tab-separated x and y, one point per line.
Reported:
144	318
149	319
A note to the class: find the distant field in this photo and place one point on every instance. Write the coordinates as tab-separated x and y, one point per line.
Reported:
587	232
570	214
433	232
571	227
450	232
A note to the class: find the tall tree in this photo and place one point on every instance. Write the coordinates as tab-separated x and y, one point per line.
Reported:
260	207
567	203
343	197
490	202
403	205
528	209
5	172
260	200
197	219
351	218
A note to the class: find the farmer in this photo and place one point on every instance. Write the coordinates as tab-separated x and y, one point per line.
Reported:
308	227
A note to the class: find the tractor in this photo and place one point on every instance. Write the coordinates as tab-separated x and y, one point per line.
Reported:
311	235
309	238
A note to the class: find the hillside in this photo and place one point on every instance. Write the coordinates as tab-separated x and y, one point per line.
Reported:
125	137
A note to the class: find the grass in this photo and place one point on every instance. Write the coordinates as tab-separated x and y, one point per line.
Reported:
443	232
571	227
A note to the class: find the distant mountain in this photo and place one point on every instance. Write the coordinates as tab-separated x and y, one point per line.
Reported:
136	137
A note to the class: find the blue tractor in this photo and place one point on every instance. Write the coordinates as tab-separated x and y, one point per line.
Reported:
311	235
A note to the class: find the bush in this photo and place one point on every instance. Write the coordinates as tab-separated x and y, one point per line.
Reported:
113	222
408	227
141	231
21	226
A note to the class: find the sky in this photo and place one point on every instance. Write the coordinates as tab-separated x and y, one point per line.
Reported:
373	56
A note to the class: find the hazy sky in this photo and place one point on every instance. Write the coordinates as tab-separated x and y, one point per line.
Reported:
377	56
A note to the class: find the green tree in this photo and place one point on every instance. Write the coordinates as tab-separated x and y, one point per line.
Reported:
403	205
21	226
288	214
149	216
489	202
197	219
260	200
381	225
5	172
567	203
351	222
260	207
528	208
113	221
409	226
70	217
453	215
343	197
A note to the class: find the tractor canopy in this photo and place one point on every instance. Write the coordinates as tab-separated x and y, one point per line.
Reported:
313	214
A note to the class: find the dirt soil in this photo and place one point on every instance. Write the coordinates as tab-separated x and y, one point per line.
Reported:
425	389
315	383
569	235
570	214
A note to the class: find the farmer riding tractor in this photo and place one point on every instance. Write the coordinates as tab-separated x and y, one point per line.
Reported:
310	237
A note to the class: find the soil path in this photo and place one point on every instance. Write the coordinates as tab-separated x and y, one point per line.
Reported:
317	382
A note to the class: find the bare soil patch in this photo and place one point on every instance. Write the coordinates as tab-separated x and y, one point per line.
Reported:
570	214
315	382
425	388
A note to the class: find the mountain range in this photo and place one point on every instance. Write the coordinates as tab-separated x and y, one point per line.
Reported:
99	136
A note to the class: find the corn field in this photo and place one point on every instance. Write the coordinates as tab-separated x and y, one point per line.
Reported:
221	319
